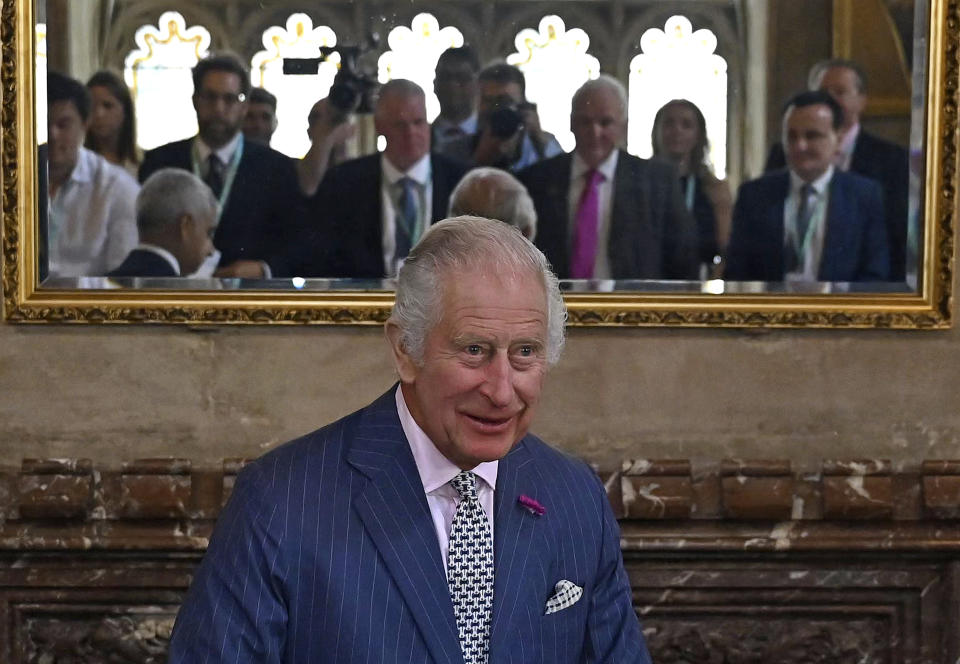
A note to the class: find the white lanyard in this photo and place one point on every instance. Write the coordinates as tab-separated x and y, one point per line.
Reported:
229	174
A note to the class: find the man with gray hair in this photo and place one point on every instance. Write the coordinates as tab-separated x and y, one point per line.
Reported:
428	526
370	211
603	213
176	217
495	194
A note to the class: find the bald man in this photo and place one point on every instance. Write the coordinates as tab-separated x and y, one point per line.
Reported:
495	194
369	212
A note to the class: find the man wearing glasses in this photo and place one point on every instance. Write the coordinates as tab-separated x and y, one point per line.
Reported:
255	185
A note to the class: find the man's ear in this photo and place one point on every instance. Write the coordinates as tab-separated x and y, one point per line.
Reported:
406	367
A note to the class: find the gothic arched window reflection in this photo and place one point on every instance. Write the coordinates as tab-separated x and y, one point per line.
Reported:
555	63
414	52
159	76
678	63
295	94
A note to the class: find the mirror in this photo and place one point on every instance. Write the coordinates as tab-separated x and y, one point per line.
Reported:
759	42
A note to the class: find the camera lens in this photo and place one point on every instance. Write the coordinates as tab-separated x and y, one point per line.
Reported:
504	122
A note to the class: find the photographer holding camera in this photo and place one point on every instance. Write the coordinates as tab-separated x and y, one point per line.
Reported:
509	134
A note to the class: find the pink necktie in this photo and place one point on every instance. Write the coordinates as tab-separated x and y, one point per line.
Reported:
584	252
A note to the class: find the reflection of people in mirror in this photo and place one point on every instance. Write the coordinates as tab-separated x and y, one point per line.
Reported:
260	120
811	221
329	130
369	212
679	135
428	526
603	213
864	153
112	130
455	84
90	218
176	215
495	194
261	208
508	128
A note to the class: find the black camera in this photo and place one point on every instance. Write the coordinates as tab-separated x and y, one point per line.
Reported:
353	90
505	122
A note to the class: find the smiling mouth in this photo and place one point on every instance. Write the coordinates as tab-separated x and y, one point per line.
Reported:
489	423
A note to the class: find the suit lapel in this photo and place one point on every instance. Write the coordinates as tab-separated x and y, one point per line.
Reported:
394	511
556	240
513	543
774	268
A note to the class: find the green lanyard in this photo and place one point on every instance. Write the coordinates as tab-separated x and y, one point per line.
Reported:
229	174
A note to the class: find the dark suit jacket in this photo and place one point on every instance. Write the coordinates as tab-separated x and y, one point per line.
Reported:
652	236
854	247
345	238
141	263
264	213
327	552
888	164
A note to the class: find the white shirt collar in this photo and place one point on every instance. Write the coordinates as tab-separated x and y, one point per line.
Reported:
162	253
468	126
434	468
419	172
608	166
225	154
819	185
83	169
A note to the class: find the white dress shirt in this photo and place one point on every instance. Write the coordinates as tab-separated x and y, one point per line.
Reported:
420	173
816	231
91	223
224	154
845	150
436	471
578	180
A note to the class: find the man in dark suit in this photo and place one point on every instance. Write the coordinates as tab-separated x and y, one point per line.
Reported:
864	153
812	221
176	215
428	526
261	207
455	84
605	214
370	211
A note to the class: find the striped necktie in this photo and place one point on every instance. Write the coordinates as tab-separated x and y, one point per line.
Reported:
407	217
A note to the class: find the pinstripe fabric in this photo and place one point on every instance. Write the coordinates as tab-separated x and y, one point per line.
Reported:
327	552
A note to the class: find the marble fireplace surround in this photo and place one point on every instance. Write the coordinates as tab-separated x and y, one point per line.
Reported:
732	561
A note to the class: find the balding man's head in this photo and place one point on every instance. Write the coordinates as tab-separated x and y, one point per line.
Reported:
401	117
495	194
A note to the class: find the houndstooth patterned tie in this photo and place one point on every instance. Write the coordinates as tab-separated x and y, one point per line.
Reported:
470	570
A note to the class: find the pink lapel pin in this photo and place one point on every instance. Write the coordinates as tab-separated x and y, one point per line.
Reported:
532	505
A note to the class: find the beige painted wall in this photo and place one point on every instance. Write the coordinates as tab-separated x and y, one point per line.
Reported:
115	393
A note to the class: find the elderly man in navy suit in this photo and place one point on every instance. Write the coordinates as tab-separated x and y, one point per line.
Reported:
810	221
603	213
256	186
428	526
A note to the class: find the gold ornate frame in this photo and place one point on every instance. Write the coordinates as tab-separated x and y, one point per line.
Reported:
25	302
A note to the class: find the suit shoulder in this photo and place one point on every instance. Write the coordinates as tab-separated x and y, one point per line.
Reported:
545	169
169	149
650	168
444	164
876	145
856	181
550	456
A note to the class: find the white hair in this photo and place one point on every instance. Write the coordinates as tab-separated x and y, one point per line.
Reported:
167	195
495	194
459	244
603	82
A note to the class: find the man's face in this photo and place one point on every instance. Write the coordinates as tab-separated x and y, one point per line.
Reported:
456	86
810	140
65	130
494	95
598	125
219	107
841	84
196	234
259	123
402	120
483	367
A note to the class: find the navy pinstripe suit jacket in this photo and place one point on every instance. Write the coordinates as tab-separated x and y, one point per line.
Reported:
327	552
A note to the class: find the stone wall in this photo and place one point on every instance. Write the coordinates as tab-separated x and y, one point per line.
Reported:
132	392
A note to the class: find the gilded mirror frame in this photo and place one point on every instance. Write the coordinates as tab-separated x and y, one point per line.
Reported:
25	302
